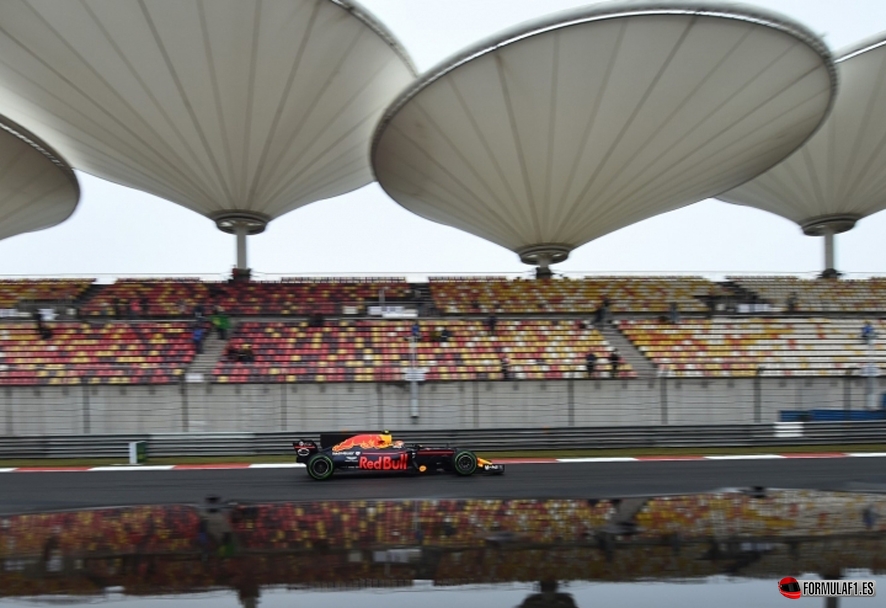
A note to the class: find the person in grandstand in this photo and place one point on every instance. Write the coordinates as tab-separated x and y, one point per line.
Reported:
868	335
491	322
197	338
591	363
614	362
505	369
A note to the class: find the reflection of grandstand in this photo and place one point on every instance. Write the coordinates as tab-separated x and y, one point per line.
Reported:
156	549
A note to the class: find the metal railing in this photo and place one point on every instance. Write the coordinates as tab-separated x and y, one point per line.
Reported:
256	444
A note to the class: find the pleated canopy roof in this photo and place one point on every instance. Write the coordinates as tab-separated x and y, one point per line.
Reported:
568	128
37	188
232	108
839	175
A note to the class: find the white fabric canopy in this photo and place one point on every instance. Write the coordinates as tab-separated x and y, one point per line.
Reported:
569	128
37	188
220	105
839	175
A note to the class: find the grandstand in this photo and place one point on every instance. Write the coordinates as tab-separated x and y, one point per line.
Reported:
367	351
750	346
333	353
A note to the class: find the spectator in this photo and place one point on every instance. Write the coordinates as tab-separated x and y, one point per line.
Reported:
615	362
598	316
118	308
182	308
491	322
607	305
198	312
221	322
445	335
246	354
232	353
416	331
316	320
868	335
591	363
197	337
505	369
146	308
792	302
674	314
44	332
475	304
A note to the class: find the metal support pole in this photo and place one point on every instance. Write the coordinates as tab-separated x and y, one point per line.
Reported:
664	400
871	371
380	399
758	398
476	386
87	417
284	414
186	423
829	263
9	425
570	396
413	384
240	231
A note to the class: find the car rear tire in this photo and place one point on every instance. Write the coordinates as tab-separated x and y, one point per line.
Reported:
320	467
464	463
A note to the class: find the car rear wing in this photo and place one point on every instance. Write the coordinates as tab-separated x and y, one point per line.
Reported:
304	449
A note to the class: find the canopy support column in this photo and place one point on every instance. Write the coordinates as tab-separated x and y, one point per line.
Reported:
542	256
240	231
829	251
241	224
829	227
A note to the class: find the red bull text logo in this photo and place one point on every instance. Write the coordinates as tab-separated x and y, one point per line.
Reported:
384	463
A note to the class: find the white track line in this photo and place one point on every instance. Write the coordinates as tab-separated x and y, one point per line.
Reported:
135	467
600	459
746	457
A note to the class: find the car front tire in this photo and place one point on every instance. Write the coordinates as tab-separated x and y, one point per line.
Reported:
464	463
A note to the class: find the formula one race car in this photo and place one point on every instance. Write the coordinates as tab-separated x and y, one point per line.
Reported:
379	452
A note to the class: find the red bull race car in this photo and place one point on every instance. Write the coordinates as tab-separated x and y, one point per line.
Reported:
378	452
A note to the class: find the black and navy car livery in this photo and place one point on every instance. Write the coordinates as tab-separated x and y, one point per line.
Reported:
379	452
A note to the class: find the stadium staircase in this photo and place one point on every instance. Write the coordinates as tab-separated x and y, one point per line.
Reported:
629	353
92	292
213	348
622	520
742	294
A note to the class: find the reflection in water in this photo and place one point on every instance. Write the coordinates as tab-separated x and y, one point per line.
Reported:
187	549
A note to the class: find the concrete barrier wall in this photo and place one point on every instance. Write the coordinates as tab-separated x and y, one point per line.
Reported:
457	405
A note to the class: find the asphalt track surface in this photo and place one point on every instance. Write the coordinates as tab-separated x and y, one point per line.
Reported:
21	492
